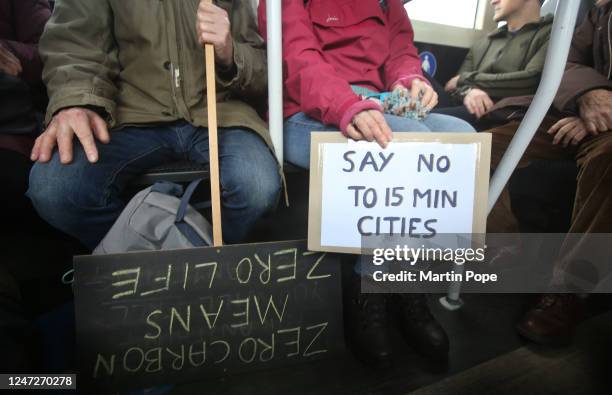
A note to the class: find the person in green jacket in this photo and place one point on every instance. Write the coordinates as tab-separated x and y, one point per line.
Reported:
508	62
127	79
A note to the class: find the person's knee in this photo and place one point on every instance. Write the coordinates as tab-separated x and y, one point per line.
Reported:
59	193
47	197
297	130
264	196
599	156
462	126
253	190
263	184
401	124
251	180
47	193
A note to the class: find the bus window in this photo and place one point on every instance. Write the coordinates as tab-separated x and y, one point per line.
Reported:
458	13
461	23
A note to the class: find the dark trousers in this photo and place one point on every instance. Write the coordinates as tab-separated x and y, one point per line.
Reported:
13	207
592	212
14	173
33	258
460	112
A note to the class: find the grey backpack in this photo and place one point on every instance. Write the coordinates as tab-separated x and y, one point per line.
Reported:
158	218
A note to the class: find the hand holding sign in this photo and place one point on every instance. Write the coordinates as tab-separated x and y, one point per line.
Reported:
371	126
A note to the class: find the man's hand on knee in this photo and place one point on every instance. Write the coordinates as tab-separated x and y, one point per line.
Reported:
596	110
570	130
85	124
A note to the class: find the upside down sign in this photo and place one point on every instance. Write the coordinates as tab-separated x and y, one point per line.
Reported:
161	317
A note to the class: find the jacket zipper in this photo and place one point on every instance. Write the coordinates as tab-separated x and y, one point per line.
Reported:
177	78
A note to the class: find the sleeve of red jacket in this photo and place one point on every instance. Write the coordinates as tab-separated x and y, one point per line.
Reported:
29	19
309	80
404	64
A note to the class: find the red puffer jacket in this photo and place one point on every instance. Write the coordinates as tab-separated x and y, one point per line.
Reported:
329	45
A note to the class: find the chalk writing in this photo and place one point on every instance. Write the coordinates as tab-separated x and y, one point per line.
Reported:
187	314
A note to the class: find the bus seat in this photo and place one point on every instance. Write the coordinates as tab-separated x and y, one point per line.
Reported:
181	171
186	171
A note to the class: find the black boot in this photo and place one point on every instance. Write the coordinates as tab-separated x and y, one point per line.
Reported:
366	325
419	327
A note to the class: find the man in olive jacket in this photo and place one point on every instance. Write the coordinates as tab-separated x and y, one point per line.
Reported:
578	127
508	62
137	69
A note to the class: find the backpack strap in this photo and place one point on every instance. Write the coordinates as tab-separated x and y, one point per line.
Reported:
191	235
188	232
182	209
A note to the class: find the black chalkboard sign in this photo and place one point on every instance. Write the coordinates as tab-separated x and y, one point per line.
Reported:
152	318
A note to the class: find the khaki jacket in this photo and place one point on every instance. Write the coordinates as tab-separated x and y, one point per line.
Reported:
140	61
505	65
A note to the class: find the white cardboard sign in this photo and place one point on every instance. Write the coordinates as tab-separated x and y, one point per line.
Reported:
422	184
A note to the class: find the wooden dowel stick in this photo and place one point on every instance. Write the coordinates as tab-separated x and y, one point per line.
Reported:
213	146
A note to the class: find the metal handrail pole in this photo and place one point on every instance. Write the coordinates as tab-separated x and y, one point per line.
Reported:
275	75
556	58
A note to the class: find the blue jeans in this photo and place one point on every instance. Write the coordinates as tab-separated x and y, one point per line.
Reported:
84	199
299	126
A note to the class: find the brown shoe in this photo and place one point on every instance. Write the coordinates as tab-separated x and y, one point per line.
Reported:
553	319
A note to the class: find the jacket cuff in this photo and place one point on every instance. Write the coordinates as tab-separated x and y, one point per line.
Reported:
230	78
354	110
406	81
81	99
466	77
570	104
461	92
